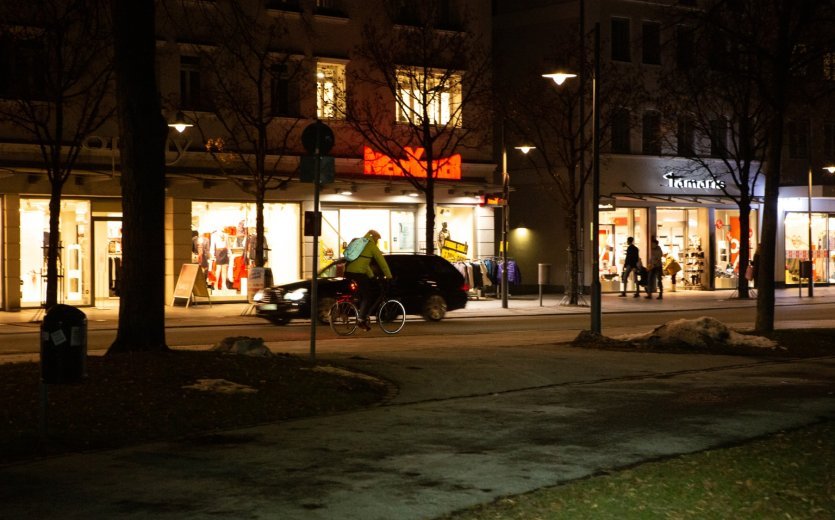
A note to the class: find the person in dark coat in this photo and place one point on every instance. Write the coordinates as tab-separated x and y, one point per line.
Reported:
630	266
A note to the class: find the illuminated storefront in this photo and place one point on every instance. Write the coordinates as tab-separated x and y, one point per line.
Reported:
796	229
615	227
223	243
74	266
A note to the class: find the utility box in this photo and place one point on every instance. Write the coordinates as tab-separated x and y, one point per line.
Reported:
544	274
63	345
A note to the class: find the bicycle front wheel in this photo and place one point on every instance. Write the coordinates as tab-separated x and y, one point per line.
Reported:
391	317
343	318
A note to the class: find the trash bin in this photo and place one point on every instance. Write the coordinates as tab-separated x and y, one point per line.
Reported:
63	345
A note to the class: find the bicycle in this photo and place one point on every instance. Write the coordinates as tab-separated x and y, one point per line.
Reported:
390	314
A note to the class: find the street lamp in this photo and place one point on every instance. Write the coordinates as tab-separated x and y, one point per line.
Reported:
830	169
559	78
180	124
506	212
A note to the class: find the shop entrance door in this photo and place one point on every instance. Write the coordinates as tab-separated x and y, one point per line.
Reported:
107	261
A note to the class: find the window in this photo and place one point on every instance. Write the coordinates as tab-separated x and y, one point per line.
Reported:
829	142
798	131
330	90
651	36
284	95
439	95
22	69
620	40
685	137
192	91
829	66
330	8
284	5
718	138
621	131
651	126
685	48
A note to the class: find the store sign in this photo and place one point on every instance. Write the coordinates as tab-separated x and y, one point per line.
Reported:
493	199
684	183
376	163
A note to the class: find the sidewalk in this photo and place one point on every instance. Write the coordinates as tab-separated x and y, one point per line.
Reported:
100	317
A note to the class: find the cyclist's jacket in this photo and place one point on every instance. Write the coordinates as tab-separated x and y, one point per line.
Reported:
363	263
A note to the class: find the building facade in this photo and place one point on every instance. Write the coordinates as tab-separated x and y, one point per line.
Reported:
646	188
314	74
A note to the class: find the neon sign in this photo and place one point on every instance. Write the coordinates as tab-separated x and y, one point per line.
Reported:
677	181
376	163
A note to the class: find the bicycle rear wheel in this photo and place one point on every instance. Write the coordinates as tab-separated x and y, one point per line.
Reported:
343	318
391	317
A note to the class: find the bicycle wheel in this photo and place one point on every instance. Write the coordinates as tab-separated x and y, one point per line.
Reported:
343	318
391	317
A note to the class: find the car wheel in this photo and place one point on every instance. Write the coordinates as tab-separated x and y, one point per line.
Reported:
325	305
434	308
279	320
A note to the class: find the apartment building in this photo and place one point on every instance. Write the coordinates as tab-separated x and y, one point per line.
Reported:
646	186
308	55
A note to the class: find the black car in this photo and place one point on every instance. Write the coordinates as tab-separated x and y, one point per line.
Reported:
428	286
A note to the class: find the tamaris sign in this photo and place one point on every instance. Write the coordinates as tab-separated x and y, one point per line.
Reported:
376	163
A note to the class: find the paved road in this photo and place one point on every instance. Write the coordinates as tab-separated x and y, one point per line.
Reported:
473	421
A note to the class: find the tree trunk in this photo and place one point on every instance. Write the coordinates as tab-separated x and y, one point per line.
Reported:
573	286
53	252
143	132
768	249
259	229
744	246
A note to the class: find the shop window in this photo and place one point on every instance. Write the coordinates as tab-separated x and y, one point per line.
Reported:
224	243
439	94
798	247
73	251
621	40
651	39
284	93
651	133
330	8
330	90
621	127
798	131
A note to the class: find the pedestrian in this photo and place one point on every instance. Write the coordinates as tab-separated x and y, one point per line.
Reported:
671	267
630	266
655	269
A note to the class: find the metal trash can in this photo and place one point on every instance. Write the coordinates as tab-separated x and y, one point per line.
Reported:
63	345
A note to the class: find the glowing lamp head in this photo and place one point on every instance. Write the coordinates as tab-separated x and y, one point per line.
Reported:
559	77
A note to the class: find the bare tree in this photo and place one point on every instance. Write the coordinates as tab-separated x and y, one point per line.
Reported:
62	53
435	79
717	121
143	133
769	35
253	89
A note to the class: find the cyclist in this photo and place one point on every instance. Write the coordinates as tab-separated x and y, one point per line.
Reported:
361	270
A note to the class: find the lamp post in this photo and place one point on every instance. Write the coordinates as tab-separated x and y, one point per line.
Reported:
506	212
559	78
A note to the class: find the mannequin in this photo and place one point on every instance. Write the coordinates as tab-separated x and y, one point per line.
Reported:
221	261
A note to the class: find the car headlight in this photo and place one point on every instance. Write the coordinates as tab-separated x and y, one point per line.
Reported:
296	295
258	296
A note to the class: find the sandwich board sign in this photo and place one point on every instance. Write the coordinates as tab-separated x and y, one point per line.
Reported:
190	283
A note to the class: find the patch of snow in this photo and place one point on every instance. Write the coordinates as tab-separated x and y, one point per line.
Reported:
345	373
221	386
243	345
699	333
